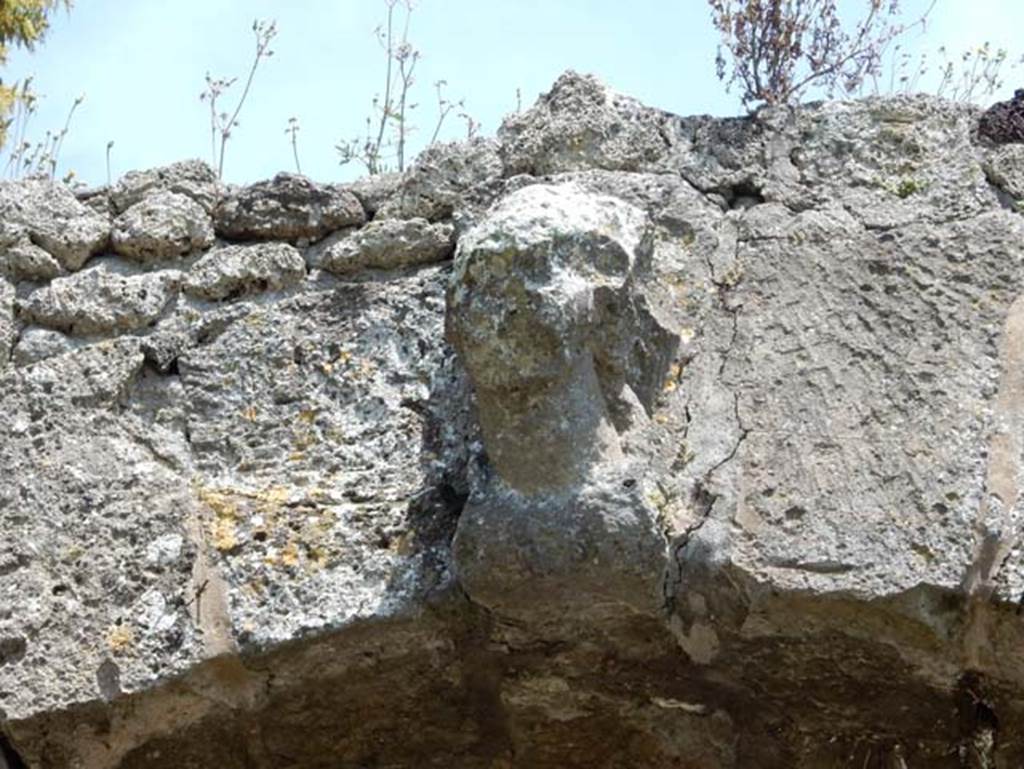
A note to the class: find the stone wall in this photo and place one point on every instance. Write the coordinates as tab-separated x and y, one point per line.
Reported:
619	440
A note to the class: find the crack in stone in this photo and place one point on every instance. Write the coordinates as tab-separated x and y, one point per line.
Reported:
705	500
995	526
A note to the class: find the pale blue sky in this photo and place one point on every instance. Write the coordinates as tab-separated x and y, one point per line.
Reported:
141	64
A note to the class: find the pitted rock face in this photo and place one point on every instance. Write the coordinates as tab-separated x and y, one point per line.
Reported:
539	289
387	244
192	178
7	328
529	303
99	300
54	220
235	271
723	471
162	226
582	124
288	207
523	293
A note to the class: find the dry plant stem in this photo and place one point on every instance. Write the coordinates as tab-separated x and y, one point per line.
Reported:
59	140
213	126
261	50
472	126
406	65
861	47
293	129
443	108
374	152
222	124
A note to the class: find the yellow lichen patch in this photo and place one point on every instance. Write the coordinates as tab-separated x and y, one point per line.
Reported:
290	554
223	527
292	528
221	504
672	380
272	498
224	534
307	417
120	638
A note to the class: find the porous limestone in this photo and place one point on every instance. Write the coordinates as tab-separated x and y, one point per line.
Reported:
288	207
162	226
54	220
704	450
235	270
387	244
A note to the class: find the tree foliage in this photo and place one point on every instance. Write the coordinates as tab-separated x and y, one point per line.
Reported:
777	49
24	23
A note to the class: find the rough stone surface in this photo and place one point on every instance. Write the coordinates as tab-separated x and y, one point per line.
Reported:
445	179
704	451
54	220
579	124
374	191
236	270
36	344
101	300
7	327
23	260
191	178
390	243
288	207
162	226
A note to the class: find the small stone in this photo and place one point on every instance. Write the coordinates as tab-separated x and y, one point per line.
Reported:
38	344
444	178
192	178
1003	122
24	260
162	226
54	220
233	271
387	244
288	207
581	124
374	191
99	300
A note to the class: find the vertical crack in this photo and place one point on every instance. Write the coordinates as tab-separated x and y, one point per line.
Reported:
703	500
